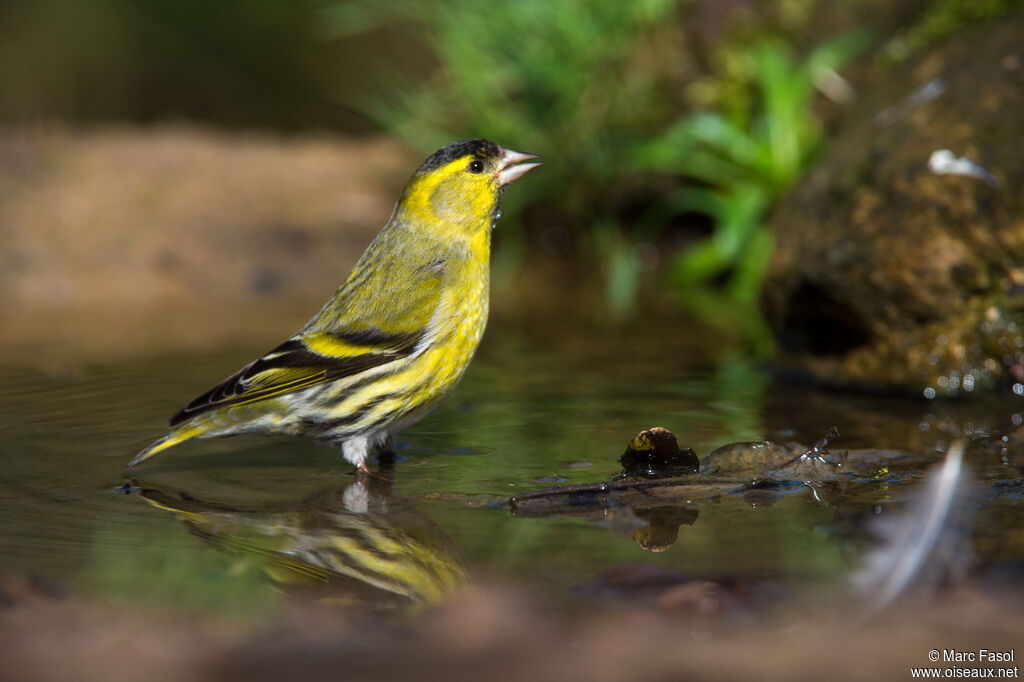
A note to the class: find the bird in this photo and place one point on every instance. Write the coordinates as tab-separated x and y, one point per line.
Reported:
397	335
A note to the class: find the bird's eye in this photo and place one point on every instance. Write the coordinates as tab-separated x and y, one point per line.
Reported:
476	166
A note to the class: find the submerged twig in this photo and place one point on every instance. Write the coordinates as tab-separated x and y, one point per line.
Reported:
816	452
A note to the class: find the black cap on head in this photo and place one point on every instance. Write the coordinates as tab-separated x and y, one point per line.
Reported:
483	149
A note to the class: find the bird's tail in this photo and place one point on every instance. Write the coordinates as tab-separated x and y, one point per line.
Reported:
169	441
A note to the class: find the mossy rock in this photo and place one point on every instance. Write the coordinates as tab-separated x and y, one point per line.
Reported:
891	276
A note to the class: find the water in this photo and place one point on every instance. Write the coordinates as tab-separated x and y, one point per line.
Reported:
225	524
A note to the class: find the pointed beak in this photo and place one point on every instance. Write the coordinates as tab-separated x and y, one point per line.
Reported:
511	166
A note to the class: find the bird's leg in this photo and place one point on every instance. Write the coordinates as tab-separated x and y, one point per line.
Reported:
354	450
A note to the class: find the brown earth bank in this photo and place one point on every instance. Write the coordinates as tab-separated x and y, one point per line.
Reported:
167	237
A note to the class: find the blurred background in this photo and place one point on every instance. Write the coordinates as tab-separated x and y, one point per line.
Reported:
755	219
159	153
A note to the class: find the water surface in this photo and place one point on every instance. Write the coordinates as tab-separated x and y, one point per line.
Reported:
230	522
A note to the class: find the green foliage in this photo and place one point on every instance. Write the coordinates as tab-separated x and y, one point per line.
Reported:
555	78
597	88
737	164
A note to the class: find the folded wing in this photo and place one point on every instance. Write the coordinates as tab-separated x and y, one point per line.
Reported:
305	360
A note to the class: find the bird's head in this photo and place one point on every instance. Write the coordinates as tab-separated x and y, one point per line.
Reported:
460	185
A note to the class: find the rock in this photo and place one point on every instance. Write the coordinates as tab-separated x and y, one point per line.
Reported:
891	274
655	452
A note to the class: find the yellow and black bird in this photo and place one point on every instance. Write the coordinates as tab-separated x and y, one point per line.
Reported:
397	335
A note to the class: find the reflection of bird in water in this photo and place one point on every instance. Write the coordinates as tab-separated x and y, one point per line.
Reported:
363	544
